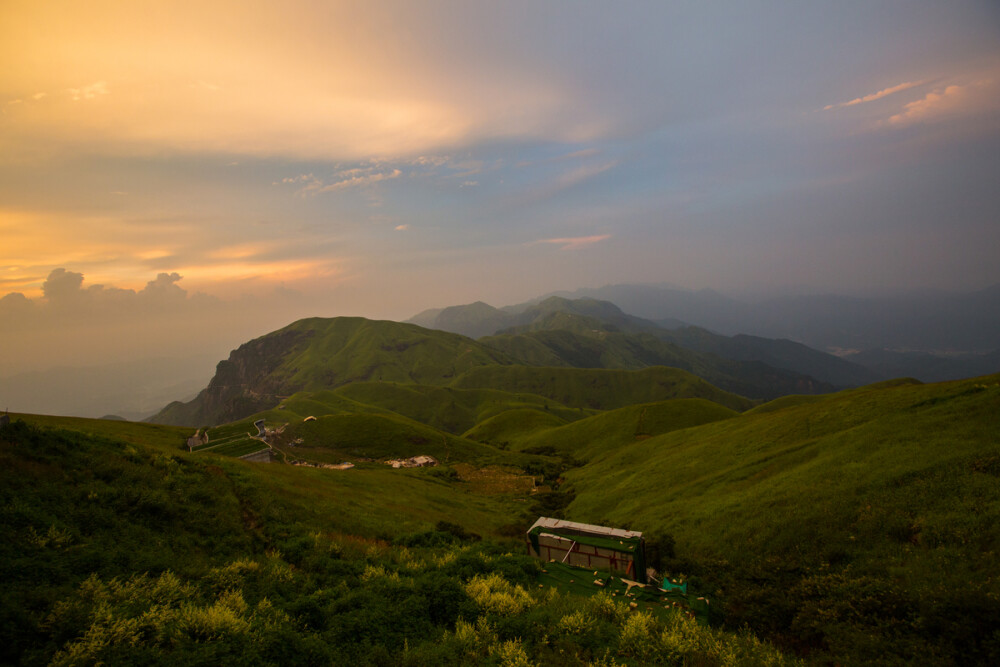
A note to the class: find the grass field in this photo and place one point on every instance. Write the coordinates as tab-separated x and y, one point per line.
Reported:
858	527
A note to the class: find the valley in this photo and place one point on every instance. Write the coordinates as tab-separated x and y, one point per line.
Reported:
850	526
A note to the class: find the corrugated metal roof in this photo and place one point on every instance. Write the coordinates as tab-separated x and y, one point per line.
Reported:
547	522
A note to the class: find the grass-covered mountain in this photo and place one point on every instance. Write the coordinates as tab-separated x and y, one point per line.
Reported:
619	340
785	354
326	354
850	528
931	337
577	342
119	547
958	321
317	353
480	319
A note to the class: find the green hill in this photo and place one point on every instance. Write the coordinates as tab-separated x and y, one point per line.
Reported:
514	425
598	389
448	408
852	528
479	319
691	346
580	343
602	434
383	437
865	523
316	354
118	553
776	353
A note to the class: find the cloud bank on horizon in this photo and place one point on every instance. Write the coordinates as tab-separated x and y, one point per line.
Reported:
380	158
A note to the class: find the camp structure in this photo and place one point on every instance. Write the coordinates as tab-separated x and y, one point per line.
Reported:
593	547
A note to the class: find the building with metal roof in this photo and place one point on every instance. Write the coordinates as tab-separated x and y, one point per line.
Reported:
589	546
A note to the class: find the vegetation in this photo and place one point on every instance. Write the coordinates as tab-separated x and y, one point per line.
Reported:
116	553
863	526
850	528
416	371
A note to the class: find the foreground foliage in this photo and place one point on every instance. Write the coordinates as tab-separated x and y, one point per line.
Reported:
856	528
118	553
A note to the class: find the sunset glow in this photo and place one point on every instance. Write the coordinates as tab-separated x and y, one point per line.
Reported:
382	159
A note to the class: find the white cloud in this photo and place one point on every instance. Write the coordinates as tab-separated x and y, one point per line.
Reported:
885	92
360	181
301	178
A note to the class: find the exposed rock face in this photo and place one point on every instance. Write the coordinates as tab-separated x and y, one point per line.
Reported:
321	353
243	384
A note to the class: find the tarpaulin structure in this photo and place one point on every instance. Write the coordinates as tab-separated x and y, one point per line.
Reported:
585	545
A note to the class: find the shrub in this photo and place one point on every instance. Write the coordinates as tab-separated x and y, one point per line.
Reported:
495	595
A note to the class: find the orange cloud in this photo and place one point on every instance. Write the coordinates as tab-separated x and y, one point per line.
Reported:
950	101
574	243
113	251
200	82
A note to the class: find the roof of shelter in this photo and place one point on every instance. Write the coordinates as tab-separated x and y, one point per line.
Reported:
563	526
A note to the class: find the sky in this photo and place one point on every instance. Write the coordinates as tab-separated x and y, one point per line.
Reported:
182	175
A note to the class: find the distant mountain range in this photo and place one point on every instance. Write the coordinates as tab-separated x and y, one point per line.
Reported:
931	337
590	333
322	354
437	348
960	322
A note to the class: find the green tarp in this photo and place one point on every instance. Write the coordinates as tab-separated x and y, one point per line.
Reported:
631	546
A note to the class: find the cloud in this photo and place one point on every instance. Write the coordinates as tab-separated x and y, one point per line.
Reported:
875	96
88	92
121	249
62	285
402	228
574	243
951	101
358	177
338	81
583	173
78	324
360	181
301	178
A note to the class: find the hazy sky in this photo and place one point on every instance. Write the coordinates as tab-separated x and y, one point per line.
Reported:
379	158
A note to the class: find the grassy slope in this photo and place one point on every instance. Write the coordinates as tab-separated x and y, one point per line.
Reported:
446	408
318	354
834	452
416	499
580	342
513	425
897	482
381	437
115	552
608	432
344	350
864	523
598	389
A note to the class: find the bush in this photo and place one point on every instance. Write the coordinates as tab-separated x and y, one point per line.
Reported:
495	595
